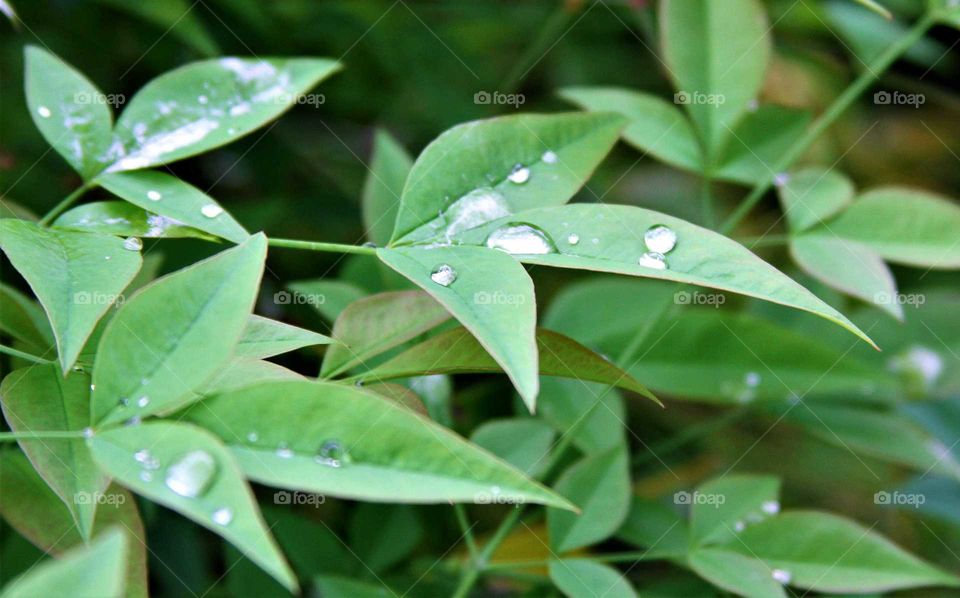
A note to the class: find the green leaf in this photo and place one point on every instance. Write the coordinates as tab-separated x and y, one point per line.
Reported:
40	398
245	371
75	276
866	36
583	578
89	571
330	586
173	17
719	72
600	486
385	452
524	443
876	7
175	333
759	141
387	173
123	219
848	267
814	195
375	324
174	199
904	226
328	297
722	507
206	104
461	179
23	319
383	535
69	110
656	527
566	405
610	238
827	553
656	126
737	573
264	338
31	507
217	498
505	329
457	352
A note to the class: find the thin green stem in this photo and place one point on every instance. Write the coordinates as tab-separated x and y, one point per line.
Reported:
613	557
472	573
14	436
66	202
318	246
22	355
829	116
466	530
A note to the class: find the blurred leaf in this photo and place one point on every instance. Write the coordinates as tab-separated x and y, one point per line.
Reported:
71	113
375	450
383	535
210	103
483	170
175	334
24	320
522	442
867	35
743	575
656	527
264	338
188	470
176	17
600	486
583	578
724	506
758	141
342	587
876	7
814	195
75	276
386	176
328	297
566	405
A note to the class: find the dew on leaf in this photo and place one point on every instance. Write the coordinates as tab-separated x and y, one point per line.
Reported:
154	195
143	401
191	475
781	179
132	244
222	516
444	275
752	379
474	209
211	210
44	112
283	451
519	175
770	507
332	454
521	239
653	260
549	157
253	437
573	238
781	576
660	239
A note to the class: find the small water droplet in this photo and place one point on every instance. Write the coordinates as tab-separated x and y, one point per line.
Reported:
44	112
573	238
106	257
203	99
88	432
211	210
752	379
770	507
132	244
143	401
145	458
154	195
444	275
133	421
519	175
781	576
753	105
191	474
660	239
520	239
781	179
253	437
595	241
146	476
920	363
124	402
739	526
549	157
283	451
222	516
369	244
332	454
653	260
93	387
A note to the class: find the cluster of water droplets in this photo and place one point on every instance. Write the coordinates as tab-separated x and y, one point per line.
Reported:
660	240
331	453
768	508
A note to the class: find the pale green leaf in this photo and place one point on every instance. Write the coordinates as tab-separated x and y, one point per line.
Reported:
383	535
75	276
583	578
506	329
722	507
175	333
814	195
522	442
387	173
222	502
566	405
125	220
384	452
245	371
174	199
264	338
737	573
461	179
206	104
71	113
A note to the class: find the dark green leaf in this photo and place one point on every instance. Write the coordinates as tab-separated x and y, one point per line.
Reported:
583	578
389	167
758	142
522	442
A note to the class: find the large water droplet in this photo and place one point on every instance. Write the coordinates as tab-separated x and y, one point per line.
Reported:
474	209
44	112
653	260
192	474
444	275
222	516
154	195
521	239
211	210
549	157
519	175
781	576
132	244
660	239
332	454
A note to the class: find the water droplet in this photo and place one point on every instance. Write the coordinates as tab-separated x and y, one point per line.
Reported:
332	454
520	239
770	507
369	244
132	244
283	451
358	383
253	437
133	421
211	210
203	99
519	175
781	576
474	209
573	238
653	260
106	257
444	275
753	105
191	474
146	476
781	179
595	241
143	401
154	195
44	112
222	516
145	458
920	363
88	432
739	526
549	157
93	387
495	490
752	379
660	239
